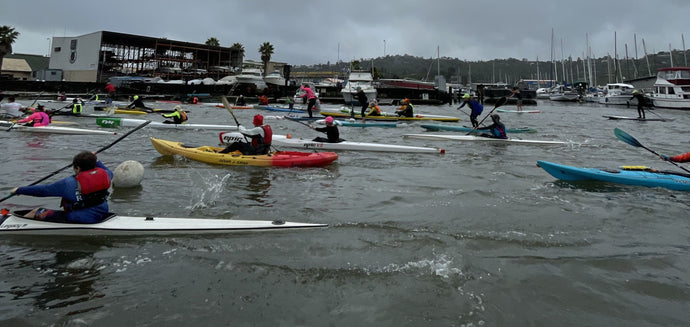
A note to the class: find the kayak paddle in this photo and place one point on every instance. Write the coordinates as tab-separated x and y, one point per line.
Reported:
499	103
627	138
97	152
229	107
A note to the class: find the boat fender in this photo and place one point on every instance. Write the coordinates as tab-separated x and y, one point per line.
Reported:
278	222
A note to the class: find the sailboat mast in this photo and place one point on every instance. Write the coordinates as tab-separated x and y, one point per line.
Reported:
644	47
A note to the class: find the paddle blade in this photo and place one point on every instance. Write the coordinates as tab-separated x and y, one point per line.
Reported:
500	102
627	138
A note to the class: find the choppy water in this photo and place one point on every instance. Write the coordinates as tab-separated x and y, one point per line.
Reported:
479	236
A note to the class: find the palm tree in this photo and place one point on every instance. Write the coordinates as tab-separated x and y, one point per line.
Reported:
212	41
239	47
266	50
7	36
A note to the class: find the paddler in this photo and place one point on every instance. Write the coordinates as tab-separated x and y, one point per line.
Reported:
261	136
84	195
76	107
137	102
374	109
496	130
37	119
406	110
331	130
475	106
179	116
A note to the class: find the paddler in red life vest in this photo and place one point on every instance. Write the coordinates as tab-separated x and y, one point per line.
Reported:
178	116
685	157
261	136
84	195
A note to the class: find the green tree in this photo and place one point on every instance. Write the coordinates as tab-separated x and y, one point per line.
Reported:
212	41
239	47
266	50
355	65
7	36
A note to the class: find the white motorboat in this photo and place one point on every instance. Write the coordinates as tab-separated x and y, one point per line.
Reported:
563	93
672	88
287	141
127	122
618	93
455	137
275	78
16	224
357	79
252	76
54	129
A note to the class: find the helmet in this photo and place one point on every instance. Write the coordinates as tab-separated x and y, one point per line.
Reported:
258	120
136	97
74	100
329	119
635	92
466	96
495	117
406	101
40	107
359	88
178	107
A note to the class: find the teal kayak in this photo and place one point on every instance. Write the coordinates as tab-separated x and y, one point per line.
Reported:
358	123
629	175
438	127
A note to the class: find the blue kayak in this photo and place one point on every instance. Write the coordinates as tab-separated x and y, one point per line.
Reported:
281	109
629	175
438	127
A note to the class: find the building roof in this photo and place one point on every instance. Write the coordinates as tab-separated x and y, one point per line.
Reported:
15	65
36	62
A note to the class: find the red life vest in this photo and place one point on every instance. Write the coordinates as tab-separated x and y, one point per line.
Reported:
195	100
263	143
93	185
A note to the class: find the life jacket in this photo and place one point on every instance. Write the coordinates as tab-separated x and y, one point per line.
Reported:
183	115
375	111
263	144
195	100
76	108
93	188
499	131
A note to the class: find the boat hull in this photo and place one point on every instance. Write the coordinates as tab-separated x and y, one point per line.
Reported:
392	117
15	224
620	176
437	127
127	122
635	118
518	111
473	138
210	155
285	141
54	129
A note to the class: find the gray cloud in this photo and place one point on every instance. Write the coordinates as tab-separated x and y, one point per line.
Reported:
315	31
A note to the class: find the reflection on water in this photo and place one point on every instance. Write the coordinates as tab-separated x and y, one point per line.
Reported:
126	194
258	184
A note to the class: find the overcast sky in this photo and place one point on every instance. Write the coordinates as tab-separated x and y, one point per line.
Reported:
321	31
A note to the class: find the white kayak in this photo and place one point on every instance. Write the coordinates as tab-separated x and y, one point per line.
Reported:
55	129
129	122
451	137
16	224
287	141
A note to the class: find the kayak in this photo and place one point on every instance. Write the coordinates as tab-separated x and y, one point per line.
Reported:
55	129
286	140
127	122
346	123
451	137
291	117
280	109
210	155
121	110
635	118
629	175
518	111
438	127
392	117
235	107
16	224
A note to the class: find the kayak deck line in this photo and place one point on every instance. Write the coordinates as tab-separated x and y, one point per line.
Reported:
16	223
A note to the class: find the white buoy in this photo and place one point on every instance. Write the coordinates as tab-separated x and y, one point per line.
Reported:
128	174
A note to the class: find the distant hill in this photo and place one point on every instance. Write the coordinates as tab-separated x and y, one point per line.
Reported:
503	70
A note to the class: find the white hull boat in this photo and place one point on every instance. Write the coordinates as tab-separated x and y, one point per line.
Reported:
284	140
54	129
251	76
128	122
356	79
618	94
450	137
16	224
672	88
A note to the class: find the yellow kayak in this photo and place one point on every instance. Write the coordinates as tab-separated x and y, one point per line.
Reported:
210	155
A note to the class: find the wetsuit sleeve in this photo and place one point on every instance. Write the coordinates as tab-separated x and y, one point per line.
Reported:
685	157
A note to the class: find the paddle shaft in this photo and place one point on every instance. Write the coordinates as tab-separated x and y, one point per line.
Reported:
97	152
627	138
228	106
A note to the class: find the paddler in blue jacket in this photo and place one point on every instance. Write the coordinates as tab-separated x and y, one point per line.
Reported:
497	129
84	195
476	107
